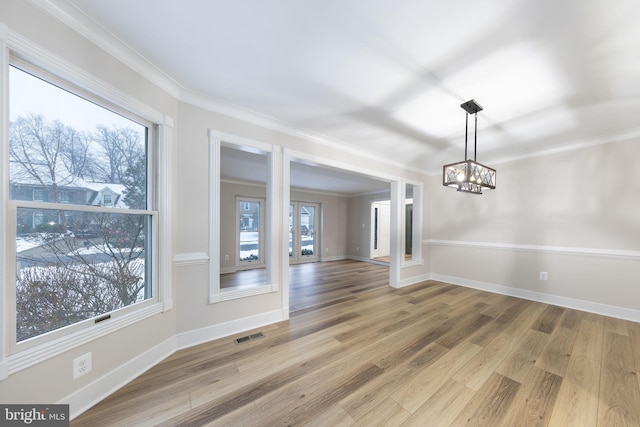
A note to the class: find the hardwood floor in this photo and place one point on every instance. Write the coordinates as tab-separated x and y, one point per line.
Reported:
359	353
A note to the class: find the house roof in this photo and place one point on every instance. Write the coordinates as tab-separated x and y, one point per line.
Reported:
97	188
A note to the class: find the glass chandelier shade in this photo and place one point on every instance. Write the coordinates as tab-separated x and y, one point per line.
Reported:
469	175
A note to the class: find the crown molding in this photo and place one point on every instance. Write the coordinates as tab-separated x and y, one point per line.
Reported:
264	121
78	21
71	16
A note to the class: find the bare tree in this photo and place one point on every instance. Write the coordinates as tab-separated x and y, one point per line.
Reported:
66	280
47	154
122	149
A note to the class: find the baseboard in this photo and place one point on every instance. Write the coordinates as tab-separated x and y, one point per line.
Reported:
89	395
199	336
332	258
4	370
369	260
582	305
413	280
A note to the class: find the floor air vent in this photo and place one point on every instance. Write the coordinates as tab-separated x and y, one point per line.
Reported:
249	337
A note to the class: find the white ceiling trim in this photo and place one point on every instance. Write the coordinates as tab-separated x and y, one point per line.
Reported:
267	122
85	26
92	31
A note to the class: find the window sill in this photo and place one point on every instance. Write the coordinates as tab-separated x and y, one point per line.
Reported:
38	354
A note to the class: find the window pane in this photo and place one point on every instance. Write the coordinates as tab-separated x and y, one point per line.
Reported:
291	229
249	231
65	149
65	277
307	229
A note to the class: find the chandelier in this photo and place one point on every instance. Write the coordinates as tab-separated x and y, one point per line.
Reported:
469	175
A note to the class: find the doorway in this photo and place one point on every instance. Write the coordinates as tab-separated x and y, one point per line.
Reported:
304	232
380	230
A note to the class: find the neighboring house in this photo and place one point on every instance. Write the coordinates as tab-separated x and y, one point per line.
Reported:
79	192
249	216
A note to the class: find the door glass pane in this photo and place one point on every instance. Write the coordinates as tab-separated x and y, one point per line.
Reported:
249	230
291	229
307	230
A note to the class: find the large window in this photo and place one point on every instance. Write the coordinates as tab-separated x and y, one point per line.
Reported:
250	230
77	259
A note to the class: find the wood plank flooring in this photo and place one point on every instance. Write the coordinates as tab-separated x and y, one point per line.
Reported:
359	353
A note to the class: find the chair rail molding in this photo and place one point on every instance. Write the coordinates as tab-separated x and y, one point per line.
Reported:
566	250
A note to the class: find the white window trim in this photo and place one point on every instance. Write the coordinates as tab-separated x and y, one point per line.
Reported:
162	274
272	215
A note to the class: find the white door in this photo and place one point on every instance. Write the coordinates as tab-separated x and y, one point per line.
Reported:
380	229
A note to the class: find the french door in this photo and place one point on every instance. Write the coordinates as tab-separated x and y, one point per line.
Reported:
304	231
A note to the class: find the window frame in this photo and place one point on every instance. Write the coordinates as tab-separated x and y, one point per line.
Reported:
243	204
40	195
14	357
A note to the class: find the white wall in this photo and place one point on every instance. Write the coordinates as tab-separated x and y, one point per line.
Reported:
573	214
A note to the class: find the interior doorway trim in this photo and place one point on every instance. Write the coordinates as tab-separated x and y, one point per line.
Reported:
274	159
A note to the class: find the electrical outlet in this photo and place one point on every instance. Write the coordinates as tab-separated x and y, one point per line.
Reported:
226	257
544	275
81	365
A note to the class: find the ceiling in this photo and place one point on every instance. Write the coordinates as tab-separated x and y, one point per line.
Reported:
388	77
